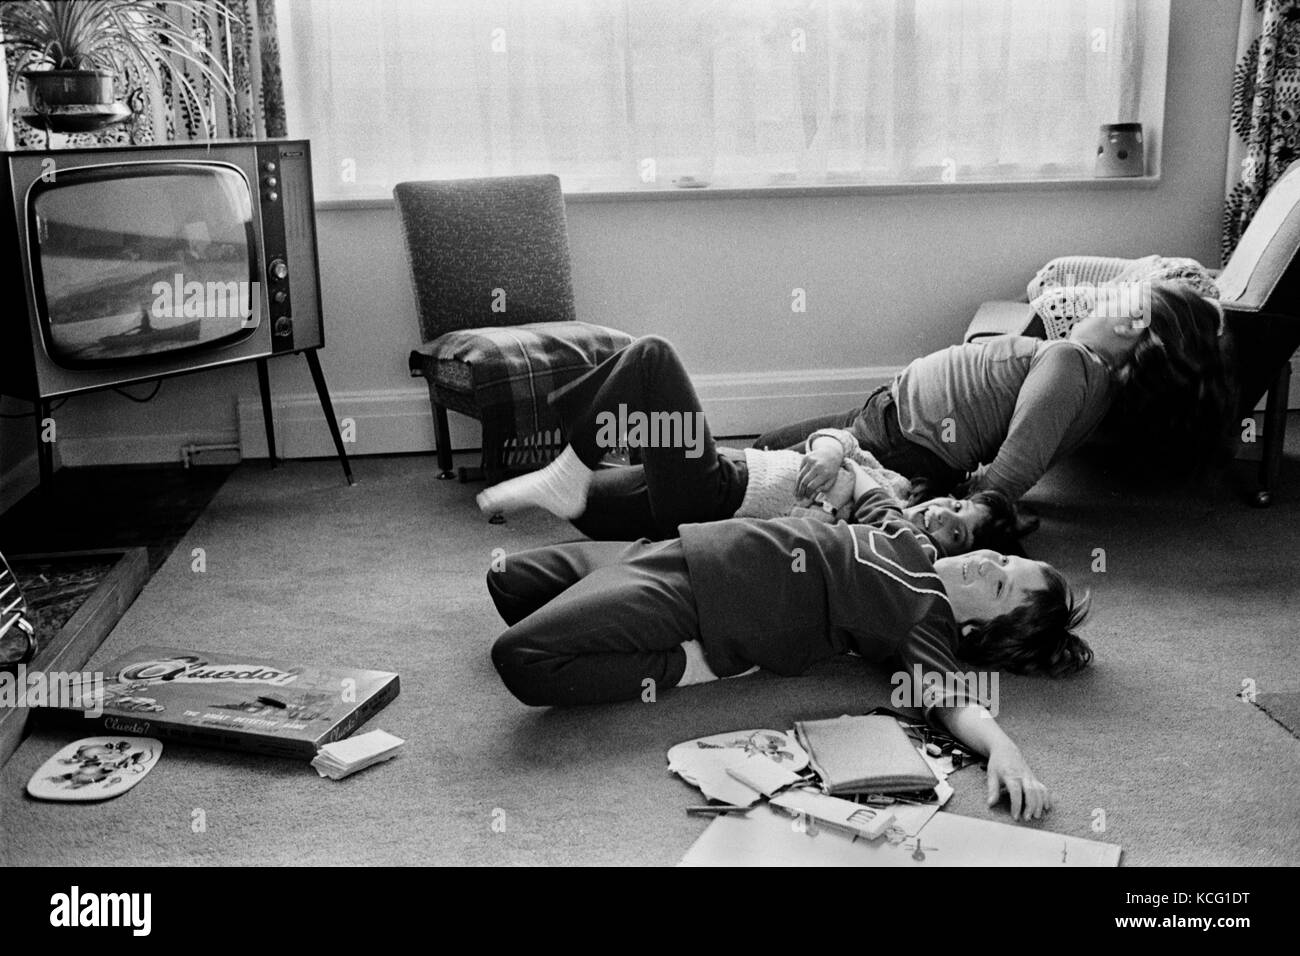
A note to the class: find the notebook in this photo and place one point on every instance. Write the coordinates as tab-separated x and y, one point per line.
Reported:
871	754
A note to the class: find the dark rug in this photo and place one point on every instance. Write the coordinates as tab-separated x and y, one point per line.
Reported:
112	507
56	586
109	508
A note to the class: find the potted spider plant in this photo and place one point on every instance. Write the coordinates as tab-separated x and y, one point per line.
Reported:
70	52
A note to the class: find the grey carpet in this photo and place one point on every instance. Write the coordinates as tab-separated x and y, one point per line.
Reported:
1199	594
1284	708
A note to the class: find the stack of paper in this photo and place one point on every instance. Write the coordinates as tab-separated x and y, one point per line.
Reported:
344	757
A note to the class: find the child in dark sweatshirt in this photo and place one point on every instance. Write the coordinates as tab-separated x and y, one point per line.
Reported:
593	622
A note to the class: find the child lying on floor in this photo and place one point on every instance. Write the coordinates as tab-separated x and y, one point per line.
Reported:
999	412
594	622
685	478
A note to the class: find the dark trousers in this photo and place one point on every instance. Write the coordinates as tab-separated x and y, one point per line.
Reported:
591	622
670	487
875	426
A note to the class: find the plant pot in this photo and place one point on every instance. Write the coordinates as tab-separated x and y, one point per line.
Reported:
1120	152
54	88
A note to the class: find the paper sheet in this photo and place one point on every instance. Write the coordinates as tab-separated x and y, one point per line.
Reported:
703	762
764	837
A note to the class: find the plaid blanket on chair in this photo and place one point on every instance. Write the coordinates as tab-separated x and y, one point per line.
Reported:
509	370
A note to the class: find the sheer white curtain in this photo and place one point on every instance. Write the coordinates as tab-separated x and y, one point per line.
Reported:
628	94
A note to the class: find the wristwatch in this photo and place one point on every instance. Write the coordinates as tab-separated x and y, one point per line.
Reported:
825	505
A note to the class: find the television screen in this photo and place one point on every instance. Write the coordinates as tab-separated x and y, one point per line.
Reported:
138	260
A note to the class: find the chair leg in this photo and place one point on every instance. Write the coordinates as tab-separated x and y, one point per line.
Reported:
493	468
494	463
442	434
1270	463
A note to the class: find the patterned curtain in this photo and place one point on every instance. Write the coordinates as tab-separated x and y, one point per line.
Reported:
1265	136
250	52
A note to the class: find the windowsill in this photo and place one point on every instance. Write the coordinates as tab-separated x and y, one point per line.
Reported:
810	192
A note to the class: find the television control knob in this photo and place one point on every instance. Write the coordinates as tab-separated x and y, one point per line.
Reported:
271	195
279	269
280	297
270	182
269	166
283	325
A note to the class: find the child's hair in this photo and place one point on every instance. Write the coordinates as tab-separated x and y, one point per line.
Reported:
1000	531
1035	638
1176	402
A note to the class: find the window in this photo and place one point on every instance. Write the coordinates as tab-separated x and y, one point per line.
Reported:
657	94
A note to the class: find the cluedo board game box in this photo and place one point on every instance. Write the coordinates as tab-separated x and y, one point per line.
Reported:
234	701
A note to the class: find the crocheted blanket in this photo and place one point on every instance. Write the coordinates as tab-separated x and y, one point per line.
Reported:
1071	287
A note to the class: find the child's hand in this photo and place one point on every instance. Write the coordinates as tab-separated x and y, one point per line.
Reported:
1009	772
819	469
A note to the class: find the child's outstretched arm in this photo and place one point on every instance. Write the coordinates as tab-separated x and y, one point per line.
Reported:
974	726
863	480
821	464
873	503
897	485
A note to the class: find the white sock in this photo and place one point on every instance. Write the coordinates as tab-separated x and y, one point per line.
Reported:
560	488
697	669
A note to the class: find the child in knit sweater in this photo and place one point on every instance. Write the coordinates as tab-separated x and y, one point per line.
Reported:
681	481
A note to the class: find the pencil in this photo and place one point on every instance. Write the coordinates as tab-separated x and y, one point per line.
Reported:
722	808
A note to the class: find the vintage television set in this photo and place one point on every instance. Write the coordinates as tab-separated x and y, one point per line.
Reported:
131	264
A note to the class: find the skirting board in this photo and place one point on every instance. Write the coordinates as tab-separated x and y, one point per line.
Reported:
401	420
135	449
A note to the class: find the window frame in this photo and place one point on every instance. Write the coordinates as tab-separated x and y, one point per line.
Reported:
1153	26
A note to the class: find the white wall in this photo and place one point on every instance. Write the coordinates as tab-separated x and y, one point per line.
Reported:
887	277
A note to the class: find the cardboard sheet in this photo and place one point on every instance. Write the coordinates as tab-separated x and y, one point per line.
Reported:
764	837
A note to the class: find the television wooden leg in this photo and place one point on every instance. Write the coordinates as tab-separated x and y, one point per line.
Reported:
313	362
264	386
